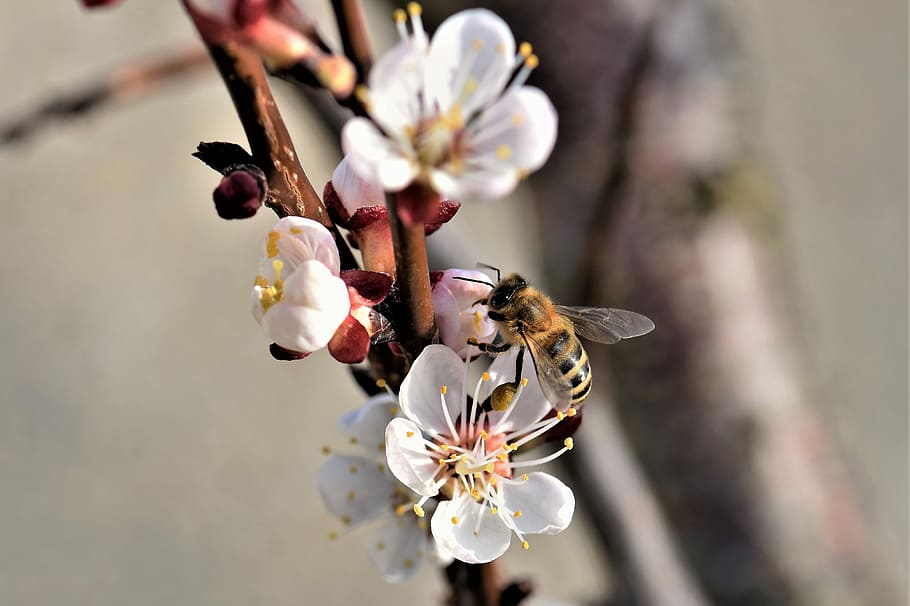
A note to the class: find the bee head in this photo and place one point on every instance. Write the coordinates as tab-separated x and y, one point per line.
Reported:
505	291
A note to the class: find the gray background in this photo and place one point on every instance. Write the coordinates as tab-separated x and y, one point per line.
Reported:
152	452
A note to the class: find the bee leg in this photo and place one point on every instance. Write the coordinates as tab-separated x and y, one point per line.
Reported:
489	347
519	362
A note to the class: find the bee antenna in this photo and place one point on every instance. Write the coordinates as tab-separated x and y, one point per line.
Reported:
496	269
476	281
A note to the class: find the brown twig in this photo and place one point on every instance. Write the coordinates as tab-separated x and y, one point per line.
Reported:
355	38
475	584
415	323
126	83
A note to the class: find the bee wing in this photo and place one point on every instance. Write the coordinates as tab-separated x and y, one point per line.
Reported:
556	387
605	324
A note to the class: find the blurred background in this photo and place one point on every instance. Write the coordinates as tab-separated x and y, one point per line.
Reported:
747	165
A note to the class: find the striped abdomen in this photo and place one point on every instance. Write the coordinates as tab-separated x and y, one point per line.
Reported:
572	361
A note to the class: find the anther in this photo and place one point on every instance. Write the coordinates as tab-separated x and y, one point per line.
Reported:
326	450
517	513
455	520
418	510
443	389
524	49
352	495
381	383
560	415
532	61
380	546
409	434
484	435
524	381
414	9
569	443
525	545
494	510
571	412
353	469
399	15
524	477
485	376
333	535
352	440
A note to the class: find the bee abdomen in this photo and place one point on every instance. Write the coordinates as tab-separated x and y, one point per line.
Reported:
575	367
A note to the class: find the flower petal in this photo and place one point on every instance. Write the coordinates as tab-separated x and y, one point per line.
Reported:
354	488
408	458
374	157
294	240
397	547
474	182
471	57
545	503
515	135
467	530
531	405
436	367
366	425
395	87
353	190
314	304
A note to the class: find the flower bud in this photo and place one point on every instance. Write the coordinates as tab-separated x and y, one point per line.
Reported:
240	193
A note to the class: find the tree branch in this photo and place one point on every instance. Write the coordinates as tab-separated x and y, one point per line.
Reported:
125	83
355	37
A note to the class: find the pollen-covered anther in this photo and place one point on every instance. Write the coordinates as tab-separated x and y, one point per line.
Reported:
560	415
525	49
484	435
502	456
326	450
524	477
485	377
571	412
418	510
400	15
517	513
409	434
455	520
414	9
503	152
333	535
443	389
524	381
532	61
525	545
381	383
352	439
569	443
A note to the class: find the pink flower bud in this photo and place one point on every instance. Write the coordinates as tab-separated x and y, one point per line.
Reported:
458	315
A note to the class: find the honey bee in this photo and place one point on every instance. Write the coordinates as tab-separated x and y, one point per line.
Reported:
528	319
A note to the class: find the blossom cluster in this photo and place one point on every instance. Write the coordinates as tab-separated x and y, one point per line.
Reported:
437	473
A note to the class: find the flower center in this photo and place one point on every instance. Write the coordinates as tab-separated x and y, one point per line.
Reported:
269	294
435	140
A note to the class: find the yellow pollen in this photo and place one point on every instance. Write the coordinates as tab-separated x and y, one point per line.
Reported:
525	545
393	410
444	389
560	416
493	481
478	320
380	383
271	245
408	563
484	435
414	9
569	443
517	513
513	447
444	447
571	412
353	469
333	535
489	467
442	462
524	477
418	511
362	93
260	281
352	495
518	119
524	381
500	48
352	440
400	510
476	475
296	231
326	450
477	44
455	520
524	49
485	376
380	546
409	434
503	152
475	493
494	510
345	520
532	61
502	456
399	15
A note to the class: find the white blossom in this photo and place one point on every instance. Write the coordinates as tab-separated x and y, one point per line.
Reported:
451	112
458	315
360	488
353	191
298	297
447	445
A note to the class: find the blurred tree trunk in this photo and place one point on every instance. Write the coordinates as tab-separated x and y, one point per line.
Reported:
653	202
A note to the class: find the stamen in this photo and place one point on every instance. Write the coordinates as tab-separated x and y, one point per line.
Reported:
445	411
530	63
401	18
541	460
419	510
420	36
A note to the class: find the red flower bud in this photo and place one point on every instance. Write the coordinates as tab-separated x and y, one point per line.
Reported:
240	193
